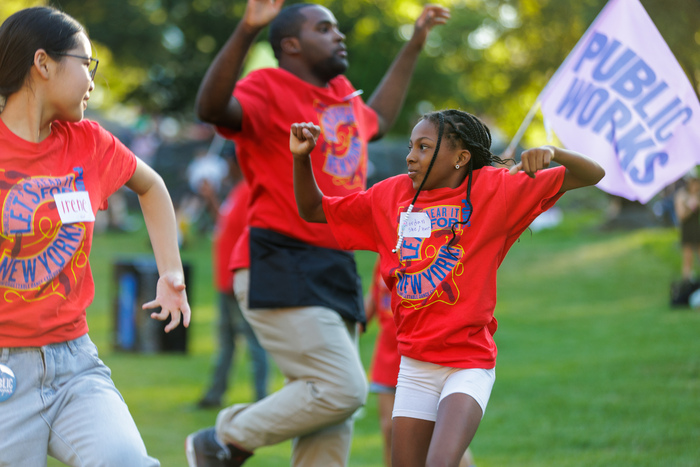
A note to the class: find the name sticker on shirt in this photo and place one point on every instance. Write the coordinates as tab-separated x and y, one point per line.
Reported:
417	225
74	207
8	383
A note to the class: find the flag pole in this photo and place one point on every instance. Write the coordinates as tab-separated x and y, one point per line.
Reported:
510	150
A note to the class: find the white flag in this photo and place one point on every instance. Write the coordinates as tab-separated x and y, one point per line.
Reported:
622	99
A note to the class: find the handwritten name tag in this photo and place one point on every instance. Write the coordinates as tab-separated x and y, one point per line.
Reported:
74	207
417	225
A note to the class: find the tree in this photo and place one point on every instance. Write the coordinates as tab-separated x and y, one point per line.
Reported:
492	58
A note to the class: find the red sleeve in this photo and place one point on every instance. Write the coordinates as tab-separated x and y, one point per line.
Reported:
527	198
236	218
229	228
253	95
351	220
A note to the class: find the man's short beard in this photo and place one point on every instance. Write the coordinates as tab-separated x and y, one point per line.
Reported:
330	68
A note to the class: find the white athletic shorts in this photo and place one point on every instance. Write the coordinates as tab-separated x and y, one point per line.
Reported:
422	386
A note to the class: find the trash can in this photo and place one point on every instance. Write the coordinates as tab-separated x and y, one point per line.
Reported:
135	331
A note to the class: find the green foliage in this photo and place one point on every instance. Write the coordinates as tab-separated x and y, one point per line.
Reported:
548	30
492	58
594	368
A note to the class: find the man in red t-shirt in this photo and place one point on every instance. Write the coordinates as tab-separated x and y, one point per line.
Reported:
297	289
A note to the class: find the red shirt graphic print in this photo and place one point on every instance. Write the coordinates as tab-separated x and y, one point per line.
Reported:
343	150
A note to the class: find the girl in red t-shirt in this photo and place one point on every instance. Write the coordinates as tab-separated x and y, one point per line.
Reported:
442	269
56	170
384	370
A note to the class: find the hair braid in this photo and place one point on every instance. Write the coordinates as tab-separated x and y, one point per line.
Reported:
402	225
465	130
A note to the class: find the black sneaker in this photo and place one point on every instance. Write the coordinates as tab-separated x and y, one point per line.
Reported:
203	449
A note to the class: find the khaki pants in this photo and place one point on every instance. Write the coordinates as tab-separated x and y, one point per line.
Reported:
316	350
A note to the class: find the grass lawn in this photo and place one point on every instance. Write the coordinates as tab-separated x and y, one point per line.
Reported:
594	368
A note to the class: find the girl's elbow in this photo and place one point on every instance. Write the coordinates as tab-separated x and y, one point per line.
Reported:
593	175
600	173
591	180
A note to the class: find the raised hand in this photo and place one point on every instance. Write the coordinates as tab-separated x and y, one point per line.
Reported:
259	13
302	138
171	297
431	16
533	160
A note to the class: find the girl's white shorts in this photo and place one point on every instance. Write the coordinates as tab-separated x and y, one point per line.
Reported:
422	386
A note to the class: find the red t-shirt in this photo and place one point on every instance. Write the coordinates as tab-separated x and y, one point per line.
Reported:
443	304
45	278
228	229
386	359
272	99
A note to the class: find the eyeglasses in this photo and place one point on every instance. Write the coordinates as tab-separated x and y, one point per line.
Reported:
92	67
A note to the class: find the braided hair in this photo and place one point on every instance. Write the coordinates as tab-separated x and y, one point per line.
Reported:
402	226
466	131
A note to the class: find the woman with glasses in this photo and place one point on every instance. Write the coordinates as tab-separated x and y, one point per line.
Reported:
56	170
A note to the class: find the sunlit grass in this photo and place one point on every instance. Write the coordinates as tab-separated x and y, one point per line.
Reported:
594	367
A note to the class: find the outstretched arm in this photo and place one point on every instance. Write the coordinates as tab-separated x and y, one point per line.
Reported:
302	140
160	221
389	96
215	103
580	170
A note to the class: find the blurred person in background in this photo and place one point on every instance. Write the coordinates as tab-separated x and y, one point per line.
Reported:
197	210
230	224
687	204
